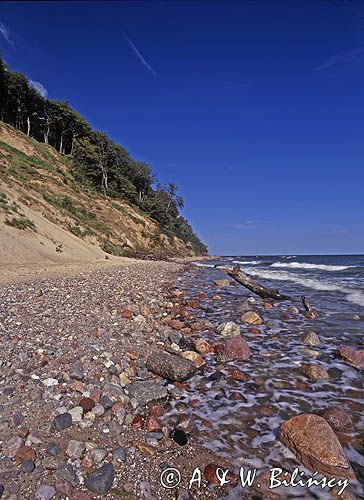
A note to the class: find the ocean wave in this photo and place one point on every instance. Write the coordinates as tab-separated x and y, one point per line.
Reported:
304	265
247	262
352	295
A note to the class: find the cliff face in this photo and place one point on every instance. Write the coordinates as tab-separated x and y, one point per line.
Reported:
45	214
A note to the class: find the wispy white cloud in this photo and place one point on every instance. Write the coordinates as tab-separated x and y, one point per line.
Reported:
344	57
7	34
39	87
139	55
249	224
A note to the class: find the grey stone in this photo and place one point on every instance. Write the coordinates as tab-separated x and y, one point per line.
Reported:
101	480
27	466
310	338
229	329
75	449
119	454
12	446
145	391
170	366
53	449
106	402
67	473
62	421
45	492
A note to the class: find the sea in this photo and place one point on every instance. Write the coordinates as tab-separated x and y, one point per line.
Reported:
239	421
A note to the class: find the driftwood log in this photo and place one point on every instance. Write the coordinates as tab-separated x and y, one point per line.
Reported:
310	313
266	293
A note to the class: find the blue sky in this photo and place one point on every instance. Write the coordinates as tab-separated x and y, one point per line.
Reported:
254	108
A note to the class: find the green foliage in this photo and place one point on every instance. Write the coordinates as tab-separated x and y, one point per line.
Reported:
112	249
22	223
97	164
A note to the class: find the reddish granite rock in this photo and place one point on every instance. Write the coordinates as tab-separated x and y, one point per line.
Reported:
337	418
137	423
254	331
203	347
202	295
315	444
26	453
236	374
237	348
211	474
193	356
153	424
127	313
87	404
194	304
352	356
251	318
176	324
155	409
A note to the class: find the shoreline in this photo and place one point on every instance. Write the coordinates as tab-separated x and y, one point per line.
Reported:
84	335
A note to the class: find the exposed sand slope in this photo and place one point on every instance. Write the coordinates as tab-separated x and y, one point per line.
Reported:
67	223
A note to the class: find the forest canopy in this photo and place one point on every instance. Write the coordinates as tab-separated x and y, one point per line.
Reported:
97	160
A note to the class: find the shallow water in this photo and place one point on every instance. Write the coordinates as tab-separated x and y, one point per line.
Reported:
244	430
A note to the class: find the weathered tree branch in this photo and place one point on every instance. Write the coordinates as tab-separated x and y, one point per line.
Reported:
266	293
310	313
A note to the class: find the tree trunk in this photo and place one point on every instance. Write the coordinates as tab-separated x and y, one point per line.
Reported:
61	144
266	293
28	126
46	135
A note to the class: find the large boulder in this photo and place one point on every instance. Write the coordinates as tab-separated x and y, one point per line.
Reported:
170	366
351	356
315	444
229	329
237	348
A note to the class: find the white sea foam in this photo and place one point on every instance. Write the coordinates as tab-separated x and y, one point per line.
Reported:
201	264
304	265
353	295
247	262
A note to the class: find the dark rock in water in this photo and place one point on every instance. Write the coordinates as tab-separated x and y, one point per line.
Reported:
310	338
337	418
101	480
216	376
62	421
106	402
179	436
237	348
351	356
146	391
27	466
170	366
314	372
315	444
1	490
